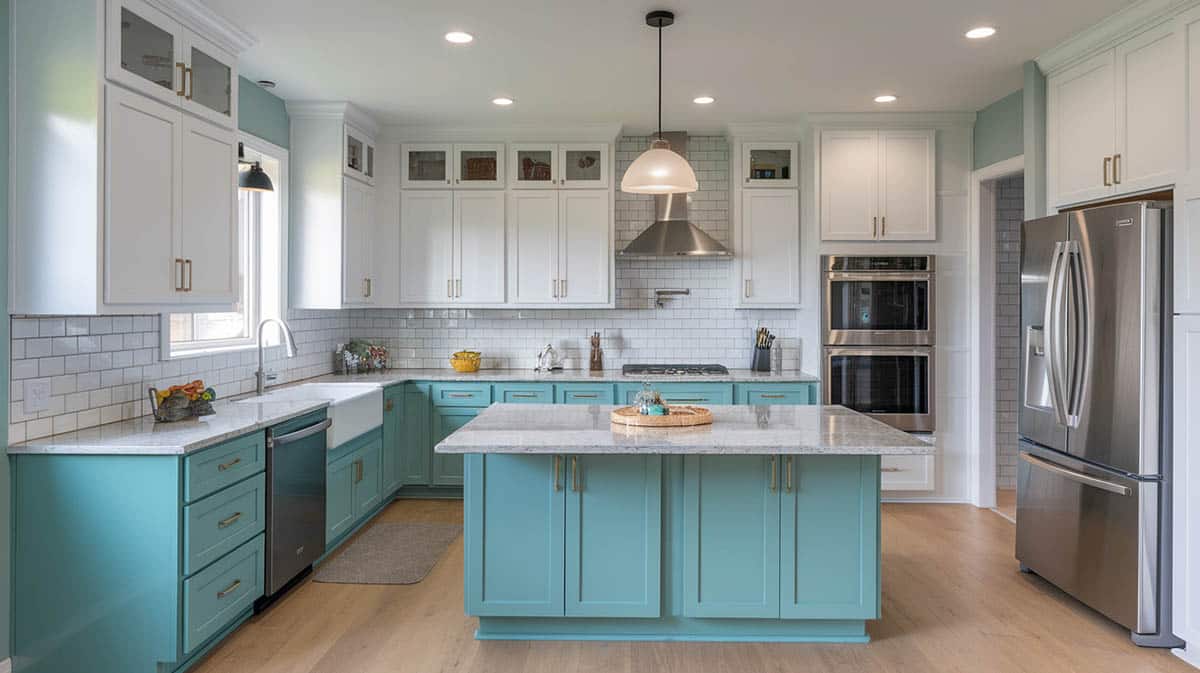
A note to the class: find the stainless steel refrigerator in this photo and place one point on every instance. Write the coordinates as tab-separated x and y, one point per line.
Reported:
1093	497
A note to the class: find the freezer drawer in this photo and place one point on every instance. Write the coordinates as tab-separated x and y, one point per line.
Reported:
1091	532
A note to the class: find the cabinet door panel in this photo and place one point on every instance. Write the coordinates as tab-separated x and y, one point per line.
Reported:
426	246
211	90
533	166
516	568
448	467
479	166
144	50
584	255
730	537
583	165
849	185
479	260
533	247
357	239
614	536
907	186
769	164
1150	110
209	227
393	428
339	499
1081	130
368	487
770	254
416	449
426	166
142	209
829	537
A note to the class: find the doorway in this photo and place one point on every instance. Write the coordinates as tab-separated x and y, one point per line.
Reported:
1009	204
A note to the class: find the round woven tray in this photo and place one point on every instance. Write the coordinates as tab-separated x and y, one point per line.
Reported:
680	416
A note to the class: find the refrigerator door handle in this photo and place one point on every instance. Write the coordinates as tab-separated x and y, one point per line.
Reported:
1079	477
1080	301
1056	335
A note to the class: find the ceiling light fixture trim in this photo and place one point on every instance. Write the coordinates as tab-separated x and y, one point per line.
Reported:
886	98
459	37
980	32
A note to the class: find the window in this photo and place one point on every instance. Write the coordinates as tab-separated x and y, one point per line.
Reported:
260	263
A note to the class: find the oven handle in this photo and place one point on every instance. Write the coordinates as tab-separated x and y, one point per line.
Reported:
924	351
891	275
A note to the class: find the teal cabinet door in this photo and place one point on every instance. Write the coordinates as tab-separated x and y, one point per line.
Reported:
390	456
682	393
614	536
367	482
516	568
776	393
448	468
339	497
415	447
585	393
830	537
730	536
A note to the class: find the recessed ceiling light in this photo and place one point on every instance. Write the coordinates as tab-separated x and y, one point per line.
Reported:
885	98
981	32
703	100
459	37
266	83
502	101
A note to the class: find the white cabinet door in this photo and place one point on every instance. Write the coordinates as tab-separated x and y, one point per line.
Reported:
208	232
849	185
907	186
907	473
426	247
533	166
1150	111
584	247
533	246
479	247
769	164
770	247
479	166
583	166
357	238
210	82
1081	131
426	166
144	50
142	140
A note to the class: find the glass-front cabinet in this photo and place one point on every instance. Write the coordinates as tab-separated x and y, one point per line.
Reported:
539	165
425	166
358	159
769	164
533	166
210	83
479	165
583	166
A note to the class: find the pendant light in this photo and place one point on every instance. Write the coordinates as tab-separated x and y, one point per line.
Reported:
255	179
659	170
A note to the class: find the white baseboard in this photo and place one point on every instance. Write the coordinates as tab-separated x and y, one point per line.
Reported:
1189	655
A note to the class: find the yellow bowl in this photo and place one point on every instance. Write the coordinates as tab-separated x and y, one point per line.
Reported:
465	362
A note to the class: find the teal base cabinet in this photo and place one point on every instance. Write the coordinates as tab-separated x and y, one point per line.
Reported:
680	393
585	393
448	468
391	452
353	485
687	548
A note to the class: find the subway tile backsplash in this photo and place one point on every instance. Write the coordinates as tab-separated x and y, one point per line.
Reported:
99	367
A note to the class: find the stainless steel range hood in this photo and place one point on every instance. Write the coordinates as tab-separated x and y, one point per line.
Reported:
672	235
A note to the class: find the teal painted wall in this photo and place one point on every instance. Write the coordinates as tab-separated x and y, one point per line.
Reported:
5	483
999	130
1035	141
262	114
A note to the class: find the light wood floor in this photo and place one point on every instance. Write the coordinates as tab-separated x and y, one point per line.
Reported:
953	600
1006	503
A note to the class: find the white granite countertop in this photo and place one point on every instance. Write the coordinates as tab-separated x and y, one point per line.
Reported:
752	430
142	436
393	376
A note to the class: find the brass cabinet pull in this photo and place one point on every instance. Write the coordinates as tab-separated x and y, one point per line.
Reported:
225	466
388	405
787	475
564	287
188	264
182	75
584	396
524	396
179	268
450	287
890	469
460	396
772	396
557	463
874	227
575	474
554	287
1117	169
774	485
229	520
1107	164
883	226
458	288
366	287
190	79
746	290
229	589
358	470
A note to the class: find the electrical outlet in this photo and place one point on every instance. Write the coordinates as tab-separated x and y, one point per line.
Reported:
37	395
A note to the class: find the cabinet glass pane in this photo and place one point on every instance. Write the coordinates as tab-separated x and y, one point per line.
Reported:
582	165
354	153
370	168
534	165
477	165
770	164
147	50
211	84
427	165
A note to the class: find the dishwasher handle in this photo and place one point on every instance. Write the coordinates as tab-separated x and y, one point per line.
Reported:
299	434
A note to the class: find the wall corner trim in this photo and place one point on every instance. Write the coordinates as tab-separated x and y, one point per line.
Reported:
1110	31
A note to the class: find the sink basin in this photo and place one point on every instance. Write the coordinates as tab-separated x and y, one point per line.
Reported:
354	408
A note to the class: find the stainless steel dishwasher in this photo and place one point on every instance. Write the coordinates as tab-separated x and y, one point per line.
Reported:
295	501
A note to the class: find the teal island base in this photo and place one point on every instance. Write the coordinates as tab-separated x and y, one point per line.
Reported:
679	629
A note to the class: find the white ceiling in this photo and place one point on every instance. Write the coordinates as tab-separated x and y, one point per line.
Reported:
577	61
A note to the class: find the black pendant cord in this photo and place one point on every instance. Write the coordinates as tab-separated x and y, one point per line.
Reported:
660	80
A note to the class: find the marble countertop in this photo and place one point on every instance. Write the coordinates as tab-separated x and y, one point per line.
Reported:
751	430
142	436
393	376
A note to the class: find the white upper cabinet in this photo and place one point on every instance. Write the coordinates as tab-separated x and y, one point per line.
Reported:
1115	120
769	164
358	236
358	155
533	166
560	248
210	84
426	247
208	234
426	166
769	248
479	166
878	185
458	166
533	247
583	166
549	166
478	261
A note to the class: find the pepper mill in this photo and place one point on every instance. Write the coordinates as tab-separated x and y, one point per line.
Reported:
596	361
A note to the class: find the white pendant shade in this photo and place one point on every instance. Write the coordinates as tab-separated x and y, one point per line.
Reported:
659	171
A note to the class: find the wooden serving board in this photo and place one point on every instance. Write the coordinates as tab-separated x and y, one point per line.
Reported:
680	416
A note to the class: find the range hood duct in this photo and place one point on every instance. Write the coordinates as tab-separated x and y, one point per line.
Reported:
672	235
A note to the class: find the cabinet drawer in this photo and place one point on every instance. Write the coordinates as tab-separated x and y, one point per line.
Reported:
684	393
776	394
221	522
585	393
461	394
906	473
523	393
216	596
213	469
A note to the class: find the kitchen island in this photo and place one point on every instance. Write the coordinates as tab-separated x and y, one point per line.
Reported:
763	526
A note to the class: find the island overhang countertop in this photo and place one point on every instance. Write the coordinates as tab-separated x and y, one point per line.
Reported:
736	429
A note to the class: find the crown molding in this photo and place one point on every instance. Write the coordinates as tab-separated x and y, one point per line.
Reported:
340	110
891	119
1110	31
605	132
200	19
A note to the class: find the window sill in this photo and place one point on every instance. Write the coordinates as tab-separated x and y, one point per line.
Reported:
212	350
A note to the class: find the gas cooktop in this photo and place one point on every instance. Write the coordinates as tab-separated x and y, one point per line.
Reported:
674	370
